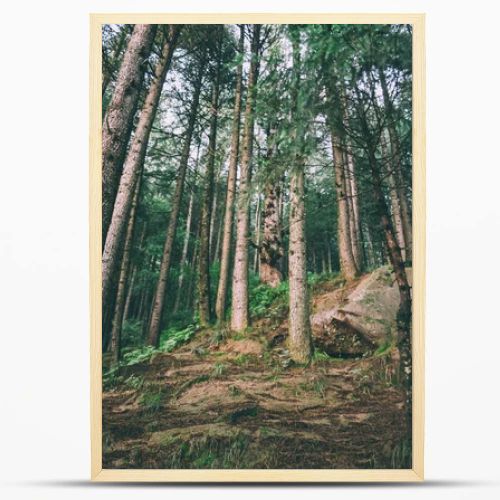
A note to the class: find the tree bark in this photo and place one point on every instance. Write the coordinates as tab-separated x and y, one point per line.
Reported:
191	297
299	330
397	169
117	123
404	316
216	253
329	256
405	308
220	304
133	165
204	305
184	254
159	299
239	304
393	191
130	291
354	222
271	249
213	215
116	332
370	250
300	342
347	263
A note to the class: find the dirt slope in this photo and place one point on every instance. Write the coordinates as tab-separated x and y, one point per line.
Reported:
237	402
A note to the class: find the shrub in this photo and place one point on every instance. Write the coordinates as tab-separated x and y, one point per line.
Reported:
262	297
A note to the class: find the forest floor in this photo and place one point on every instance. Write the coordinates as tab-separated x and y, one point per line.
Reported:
236	401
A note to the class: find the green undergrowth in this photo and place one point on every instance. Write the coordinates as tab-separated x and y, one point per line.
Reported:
170	339
207	452
272	303
262	297
152	398
384	349
321	357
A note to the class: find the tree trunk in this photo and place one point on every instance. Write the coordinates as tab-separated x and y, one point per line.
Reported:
216	254
159	299
324	265
271	249
397	169
220	305
185	248
213	215
144	293
350	210
116	332
354	222
404	316
396	209
204	305
329	256
130	291
257	233
405	308
239	305
132	167
117	123
347	263
299	330
191	297
300	343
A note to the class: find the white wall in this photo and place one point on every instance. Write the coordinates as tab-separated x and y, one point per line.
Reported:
44	430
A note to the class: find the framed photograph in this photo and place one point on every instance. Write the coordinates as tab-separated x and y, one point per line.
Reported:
257	247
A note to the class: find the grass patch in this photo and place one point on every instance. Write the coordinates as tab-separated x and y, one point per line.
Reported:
243	359
152	399
219	370
316	385
169	340
211	451
134	382
383	349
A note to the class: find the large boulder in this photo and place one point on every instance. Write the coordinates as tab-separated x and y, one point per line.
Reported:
367	307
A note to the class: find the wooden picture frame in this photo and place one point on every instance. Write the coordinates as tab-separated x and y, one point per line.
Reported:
302	475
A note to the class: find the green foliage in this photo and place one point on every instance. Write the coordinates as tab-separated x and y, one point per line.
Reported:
262	297
383	349
138	355
219	335
401	455
134	381
243	359
208	452
218	370
132	332
317	385
152	399
172	337
169	340
320	356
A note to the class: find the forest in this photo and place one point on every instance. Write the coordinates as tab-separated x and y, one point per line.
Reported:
257	246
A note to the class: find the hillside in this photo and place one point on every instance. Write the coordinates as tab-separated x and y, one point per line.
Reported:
223	400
